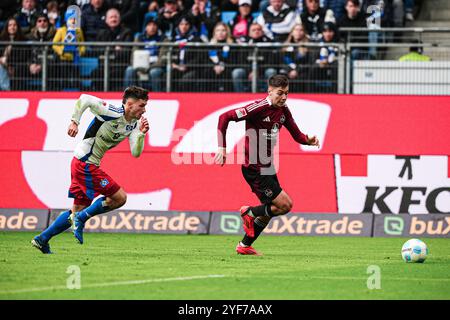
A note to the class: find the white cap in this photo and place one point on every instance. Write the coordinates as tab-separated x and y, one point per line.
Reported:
242	2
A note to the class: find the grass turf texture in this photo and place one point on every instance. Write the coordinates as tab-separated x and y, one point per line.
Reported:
291	268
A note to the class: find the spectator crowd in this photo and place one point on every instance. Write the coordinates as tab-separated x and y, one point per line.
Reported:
147	24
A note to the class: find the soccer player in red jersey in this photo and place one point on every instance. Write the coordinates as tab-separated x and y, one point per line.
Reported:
263	120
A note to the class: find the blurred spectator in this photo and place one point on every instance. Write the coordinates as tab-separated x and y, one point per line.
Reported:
277	20
354	18
297	59
66	71
313	19
337	6
409	10
12	58
27	15
128	13
233	5
241	23
204	15
185	59
325	72
119	55
168	16
7	9
43	32
415	53
380	18
152	71
93	17
54	14
221	59
267	59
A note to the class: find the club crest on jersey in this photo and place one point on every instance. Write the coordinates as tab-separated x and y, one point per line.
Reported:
282	119
268	193
242	112
130	127
104	182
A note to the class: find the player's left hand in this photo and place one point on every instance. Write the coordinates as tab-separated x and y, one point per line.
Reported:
144	125
313	141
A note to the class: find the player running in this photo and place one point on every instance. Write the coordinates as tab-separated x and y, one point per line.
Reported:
263	120
110	126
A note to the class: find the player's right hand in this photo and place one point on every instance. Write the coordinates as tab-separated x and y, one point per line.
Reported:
73	129
221	156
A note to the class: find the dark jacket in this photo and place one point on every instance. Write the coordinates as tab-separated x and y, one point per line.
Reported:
92	21
128	13
313	23
26	21
36	51
205	22
358	22
119	34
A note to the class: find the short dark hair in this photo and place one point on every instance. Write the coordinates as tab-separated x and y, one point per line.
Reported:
135	92
278	81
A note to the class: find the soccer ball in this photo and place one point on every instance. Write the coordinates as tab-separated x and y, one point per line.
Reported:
414	250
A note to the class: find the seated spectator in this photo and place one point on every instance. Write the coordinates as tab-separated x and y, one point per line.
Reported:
268	60
128	10
313	19
297	59
277	20
221	60
42	32
12	58
185	60
27	15
204	15
119	55
415	53
241	23
324	73
168	17
54	14
93	17
354	18
66	71
154	72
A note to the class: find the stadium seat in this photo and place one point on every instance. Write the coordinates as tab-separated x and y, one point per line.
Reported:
87	67
227	16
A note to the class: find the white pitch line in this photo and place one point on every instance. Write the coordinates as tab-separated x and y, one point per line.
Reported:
111	284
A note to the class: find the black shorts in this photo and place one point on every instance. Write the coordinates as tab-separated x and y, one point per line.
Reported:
266	187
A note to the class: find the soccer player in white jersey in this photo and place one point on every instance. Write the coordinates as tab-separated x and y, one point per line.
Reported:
110	126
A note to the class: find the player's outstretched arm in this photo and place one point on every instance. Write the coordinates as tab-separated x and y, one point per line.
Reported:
295	132
137	137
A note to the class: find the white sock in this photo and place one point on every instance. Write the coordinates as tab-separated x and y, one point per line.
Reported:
242	245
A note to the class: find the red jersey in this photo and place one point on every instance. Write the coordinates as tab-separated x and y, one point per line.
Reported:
262	125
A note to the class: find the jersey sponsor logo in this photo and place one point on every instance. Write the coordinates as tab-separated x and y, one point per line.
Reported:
242	112
104	182
275	128
266	119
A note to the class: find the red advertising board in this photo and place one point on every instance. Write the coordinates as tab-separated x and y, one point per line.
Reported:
174	174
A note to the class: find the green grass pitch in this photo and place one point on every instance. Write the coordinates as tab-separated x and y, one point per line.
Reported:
207	267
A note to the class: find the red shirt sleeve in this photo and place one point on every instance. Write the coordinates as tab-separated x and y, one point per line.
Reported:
293	129
238	114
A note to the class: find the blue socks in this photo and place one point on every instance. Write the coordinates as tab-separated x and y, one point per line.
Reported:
59	225
98	207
